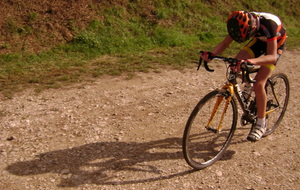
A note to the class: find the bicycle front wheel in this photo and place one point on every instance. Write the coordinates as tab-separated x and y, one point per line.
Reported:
278	92
203	145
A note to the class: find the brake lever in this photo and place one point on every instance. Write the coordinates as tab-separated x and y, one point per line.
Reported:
199	64
246	69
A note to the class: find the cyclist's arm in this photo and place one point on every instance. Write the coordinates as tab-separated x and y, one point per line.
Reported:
219	48
270	57
222	46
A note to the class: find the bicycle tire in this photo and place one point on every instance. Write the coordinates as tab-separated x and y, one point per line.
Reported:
280	83
203	147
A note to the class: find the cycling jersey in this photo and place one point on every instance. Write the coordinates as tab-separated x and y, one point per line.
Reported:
270	28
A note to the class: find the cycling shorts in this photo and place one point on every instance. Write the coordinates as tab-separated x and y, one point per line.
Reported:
257	48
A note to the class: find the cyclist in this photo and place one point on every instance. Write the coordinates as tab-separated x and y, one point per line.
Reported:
265	48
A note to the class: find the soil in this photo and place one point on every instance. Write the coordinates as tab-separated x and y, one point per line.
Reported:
114	133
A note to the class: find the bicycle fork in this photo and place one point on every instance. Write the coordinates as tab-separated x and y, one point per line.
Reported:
227	91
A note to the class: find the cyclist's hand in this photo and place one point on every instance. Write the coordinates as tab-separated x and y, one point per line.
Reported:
245	63
239	65
207	56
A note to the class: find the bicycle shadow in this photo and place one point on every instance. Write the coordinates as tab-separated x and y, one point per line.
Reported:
97	163
208	149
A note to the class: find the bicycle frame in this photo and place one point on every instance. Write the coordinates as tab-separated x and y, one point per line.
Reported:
230	89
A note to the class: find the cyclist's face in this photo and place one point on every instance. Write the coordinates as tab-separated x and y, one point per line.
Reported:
254	27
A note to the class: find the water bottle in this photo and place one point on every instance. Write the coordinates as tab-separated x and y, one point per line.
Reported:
240	92
248	88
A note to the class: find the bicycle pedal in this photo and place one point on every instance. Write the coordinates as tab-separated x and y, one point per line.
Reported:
244	122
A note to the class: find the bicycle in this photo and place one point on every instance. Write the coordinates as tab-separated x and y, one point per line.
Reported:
212	123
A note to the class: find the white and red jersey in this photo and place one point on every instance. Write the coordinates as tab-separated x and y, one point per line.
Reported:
270	28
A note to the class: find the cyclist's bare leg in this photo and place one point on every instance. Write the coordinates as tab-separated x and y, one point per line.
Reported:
243	54
261	79
259	89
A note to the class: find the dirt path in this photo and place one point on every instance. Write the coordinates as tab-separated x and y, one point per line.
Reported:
126	134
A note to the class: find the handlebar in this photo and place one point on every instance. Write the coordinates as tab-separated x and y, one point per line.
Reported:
246	68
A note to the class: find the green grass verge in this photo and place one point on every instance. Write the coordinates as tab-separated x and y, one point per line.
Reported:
129	39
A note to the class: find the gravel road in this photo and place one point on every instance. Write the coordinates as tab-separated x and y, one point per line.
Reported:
114	133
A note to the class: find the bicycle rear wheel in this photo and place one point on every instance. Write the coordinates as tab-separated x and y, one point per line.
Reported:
201	146
278	92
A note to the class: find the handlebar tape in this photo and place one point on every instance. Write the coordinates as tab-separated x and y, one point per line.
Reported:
210	56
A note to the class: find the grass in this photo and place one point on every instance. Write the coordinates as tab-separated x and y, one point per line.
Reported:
140	36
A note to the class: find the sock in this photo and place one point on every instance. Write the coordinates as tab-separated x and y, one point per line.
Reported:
261	122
